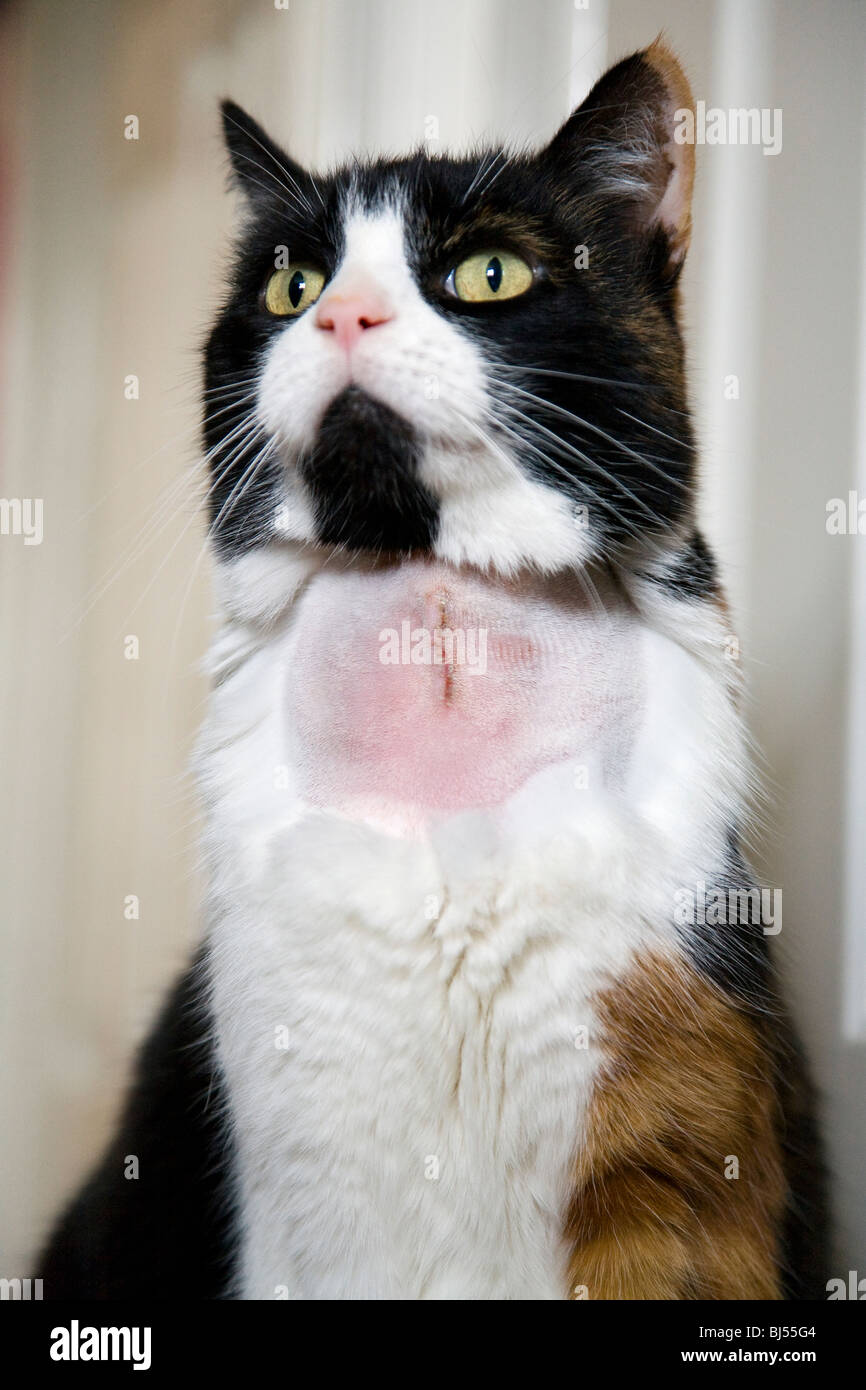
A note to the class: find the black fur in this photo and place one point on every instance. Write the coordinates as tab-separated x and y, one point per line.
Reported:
362	478
736	956
168	1233
692	573
805	1263
735	953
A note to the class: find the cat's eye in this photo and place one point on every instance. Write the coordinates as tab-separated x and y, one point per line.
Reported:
293	290
487	276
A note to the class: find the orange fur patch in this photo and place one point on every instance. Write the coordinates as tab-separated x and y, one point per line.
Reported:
689	1087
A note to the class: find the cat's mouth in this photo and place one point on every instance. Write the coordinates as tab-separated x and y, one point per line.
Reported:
362	477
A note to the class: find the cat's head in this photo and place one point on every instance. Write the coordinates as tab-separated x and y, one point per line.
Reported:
476	358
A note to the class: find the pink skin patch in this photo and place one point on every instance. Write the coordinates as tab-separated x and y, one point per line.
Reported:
421	686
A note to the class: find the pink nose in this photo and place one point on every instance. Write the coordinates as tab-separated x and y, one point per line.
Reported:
347	316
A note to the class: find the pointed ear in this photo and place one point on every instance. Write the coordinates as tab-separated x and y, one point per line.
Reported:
625	144
260	168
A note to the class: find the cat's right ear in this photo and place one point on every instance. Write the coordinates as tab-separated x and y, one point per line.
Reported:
260	169
623	147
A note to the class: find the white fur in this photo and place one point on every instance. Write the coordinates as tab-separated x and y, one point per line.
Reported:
415	1138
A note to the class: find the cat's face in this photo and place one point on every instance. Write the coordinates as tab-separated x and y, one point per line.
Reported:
476	359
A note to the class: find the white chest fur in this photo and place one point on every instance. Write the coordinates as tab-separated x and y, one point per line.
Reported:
404	1002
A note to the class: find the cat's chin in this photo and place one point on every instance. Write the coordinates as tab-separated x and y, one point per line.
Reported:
361	475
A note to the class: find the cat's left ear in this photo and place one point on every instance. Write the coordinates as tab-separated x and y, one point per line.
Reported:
628	145
261	169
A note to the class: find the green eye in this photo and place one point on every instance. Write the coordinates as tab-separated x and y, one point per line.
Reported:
293	290
489	275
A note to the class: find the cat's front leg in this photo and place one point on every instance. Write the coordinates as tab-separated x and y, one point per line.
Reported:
679	1189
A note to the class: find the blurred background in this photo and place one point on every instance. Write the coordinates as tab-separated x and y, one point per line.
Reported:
111	267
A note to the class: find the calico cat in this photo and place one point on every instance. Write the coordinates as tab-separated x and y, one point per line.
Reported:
474	738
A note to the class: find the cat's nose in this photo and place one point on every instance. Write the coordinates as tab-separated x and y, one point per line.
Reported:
349	315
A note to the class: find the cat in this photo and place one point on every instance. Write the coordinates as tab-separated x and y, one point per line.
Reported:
450	1034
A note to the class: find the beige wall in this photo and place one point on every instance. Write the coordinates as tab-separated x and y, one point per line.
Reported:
112	269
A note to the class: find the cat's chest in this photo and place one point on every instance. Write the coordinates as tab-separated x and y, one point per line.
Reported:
422	877
414	693
407	1065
